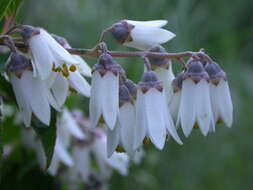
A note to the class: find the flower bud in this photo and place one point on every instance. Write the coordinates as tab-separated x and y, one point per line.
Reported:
132	88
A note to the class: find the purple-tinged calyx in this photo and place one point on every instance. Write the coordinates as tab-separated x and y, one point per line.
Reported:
18	64
150	80
215	73
105	64
195	71
158	62
121	31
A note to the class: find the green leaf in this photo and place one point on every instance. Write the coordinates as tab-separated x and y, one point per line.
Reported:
9	7
6	89
47	135
4	7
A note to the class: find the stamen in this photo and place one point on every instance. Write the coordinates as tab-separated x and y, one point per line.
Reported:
146	140
72	68
120	149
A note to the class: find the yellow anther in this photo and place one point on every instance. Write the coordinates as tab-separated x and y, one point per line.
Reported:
72	68
196	125
72	90
120	149
58	69
146	140
101	120
53	68
65	73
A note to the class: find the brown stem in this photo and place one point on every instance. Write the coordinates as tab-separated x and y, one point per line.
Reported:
95	52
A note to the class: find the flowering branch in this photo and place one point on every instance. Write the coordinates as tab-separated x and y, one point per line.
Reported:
95	52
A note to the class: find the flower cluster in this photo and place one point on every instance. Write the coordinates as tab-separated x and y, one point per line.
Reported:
76	146
160	103
43	75
132	114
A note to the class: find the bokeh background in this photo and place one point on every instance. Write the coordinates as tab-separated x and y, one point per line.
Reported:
222	160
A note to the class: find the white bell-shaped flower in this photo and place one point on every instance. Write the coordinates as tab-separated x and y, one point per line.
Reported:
174	103
104	100
195	105
163	68
153	117
123	132
44	51
141	34
221	101
66	129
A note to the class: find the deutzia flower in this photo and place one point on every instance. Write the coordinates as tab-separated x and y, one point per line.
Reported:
220	95
163	69
176	96
31	93
104	100
66	128
153	117
195	104
141	34
44	50
123	132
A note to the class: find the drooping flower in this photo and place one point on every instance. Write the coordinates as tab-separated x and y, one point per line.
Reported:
44	50
174	104
66	129
104	99
221	101
163	69
123	132
31	93
152	115
195	105
141	34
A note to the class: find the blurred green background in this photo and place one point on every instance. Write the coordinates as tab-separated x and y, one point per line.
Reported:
222	160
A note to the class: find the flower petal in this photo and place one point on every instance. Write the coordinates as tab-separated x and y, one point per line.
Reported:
79	83
60	89
151	23
166	76
127	119
110	90
141	121
170	124
203	106
144	37
113	139
225	103
187	110
175	104
96	98
35	92
63	154
22	101
71	125
41	55
154	101
60	54
83	67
